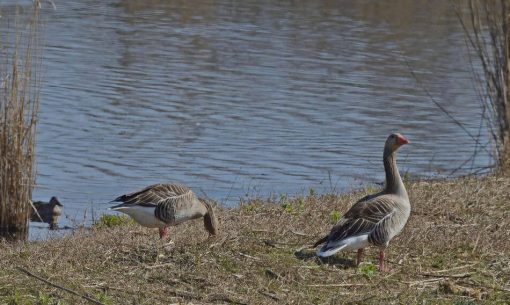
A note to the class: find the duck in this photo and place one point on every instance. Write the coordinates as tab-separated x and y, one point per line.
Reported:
375	219
47	212
166	204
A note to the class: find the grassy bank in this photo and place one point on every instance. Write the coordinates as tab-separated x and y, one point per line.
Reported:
454	250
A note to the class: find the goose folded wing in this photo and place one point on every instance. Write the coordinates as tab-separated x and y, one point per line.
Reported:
362	218
156	194
175	201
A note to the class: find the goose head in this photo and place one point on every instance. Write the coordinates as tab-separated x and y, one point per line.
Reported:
54	201
394	142
210	220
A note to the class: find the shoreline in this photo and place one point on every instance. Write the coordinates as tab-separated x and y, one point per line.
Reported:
454	249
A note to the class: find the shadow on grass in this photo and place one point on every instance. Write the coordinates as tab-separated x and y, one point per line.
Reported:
307	254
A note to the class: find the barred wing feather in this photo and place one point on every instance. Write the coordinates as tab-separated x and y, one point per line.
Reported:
157	195
364	217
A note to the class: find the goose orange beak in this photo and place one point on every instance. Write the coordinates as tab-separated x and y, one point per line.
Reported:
401	140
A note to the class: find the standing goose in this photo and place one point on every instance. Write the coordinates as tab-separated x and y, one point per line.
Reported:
163	205
375	219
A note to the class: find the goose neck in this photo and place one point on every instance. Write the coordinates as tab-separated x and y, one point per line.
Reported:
394	184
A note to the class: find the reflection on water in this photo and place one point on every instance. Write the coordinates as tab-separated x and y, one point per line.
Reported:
246	98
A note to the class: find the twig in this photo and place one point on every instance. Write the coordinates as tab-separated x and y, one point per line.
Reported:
307	267
249	256
158	265
300	233
441	107
58	286
261	231
185	294
274	243
454	225
272	274
454	268
336	285
456	276
224	298
219	243
476	242
35	210
411	284
499	288
270	295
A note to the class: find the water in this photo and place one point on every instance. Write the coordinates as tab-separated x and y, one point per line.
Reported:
246	99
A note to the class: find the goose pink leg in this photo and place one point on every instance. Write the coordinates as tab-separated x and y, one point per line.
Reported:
360	257
163	232
381	261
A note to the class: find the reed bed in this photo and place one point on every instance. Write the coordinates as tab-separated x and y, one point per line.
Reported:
19	100
487	28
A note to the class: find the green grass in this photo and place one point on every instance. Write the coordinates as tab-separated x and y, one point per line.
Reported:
367	269
335	217
109	220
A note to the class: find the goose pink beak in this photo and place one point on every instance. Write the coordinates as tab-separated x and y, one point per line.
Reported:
401	140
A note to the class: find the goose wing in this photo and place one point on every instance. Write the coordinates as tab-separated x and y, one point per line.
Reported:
361	219
157	195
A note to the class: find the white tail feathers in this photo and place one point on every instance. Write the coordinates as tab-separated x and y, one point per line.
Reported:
322	252
351	243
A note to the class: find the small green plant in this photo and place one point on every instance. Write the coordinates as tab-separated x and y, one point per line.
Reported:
284	201
108	220
249	207
367	269
301	205
438	262
104	298
372	189
15	299
287	207
294	206
44	299
335	216
407	176
229	265
311	192
465	302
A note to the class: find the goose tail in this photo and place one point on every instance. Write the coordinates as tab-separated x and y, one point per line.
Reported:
321	241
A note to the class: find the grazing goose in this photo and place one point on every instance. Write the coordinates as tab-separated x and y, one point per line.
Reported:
375	219
47	212
163	205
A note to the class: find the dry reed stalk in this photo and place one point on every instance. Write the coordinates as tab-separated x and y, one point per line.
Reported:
19	100
488	34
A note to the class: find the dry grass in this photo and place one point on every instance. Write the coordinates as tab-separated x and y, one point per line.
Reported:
454	250
19	99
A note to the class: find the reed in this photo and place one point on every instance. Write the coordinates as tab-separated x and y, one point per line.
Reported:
19	100
486	25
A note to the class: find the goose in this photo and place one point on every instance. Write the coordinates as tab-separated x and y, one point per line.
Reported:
47	212
163	205
374	219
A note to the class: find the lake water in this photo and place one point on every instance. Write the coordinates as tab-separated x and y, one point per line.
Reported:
247	98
